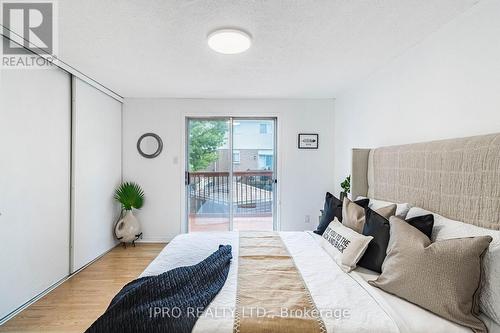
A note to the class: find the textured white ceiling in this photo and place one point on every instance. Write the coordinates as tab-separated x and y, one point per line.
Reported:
302	48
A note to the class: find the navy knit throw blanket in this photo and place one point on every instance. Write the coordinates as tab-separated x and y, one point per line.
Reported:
170	302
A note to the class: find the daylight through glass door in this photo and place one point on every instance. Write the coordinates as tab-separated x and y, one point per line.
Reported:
230	183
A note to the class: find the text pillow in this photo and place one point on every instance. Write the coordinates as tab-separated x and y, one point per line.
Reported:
442	277
344	245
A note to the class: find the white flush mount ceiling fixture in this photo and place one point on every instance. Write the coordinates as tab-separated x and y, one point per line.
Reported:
229	41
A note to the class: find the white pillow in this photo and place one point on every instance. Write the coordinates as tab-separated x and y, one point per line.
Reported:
401	208
344	245
444	228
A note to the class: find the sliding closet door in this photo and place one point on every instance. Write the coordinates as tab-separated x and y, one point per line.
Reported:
34	182
97	171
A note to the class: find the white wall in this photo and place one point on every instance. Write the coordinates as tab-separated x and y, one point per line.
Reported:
97	171
304	175
447	86
35	110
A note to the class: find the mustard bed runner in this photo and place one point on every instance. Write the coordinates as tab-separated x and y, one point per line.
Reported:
272	296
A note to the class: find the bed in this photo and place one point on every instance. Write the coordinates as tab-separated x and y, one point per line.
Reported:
369	308
430	176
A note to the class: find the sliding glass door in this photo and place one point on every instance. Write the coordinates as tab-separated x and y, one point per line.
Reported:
230	178
207	177
253	174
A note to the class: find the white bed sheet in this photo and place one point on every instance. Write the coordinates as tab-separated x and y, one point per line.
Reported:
370	309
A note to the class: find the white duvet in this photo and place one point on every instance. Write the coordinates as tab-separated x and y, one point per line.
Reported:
357	306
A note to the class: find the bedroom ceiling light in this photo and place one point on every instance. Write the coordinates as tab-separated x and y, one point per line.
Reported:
229	41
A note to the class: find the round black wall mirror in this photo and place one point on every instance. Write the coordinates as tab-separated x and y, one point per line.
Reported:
149	145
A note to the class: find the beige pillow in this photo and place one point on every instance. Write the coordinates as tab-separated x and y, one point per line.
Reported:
442	277
344	245
353	215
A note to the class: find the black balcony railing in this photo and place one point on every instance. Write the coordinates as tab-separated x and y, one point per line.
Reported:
252	193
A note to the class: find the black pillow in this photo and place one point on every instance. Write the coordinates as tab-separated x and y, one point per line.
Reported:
378	227
363	202
423	223
333	209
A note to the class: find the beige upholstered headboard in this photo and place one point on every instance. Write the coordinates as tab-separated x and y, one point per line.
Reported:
457	178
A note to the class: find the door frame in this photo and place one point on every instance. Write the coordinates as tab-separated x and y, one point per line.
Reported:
185	164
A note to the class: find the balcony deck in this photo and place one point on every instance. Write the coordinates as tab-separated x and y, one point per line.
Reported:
209	201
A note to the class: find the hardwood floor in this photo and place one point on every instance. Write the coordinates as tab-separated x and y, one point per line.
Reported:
75	304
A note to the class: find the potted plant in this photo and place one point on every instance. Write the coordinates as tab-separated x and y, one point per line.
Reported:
346	187
131	196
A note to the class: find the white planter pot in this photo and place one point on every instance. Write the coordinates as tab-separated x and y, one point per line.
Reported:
128	228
